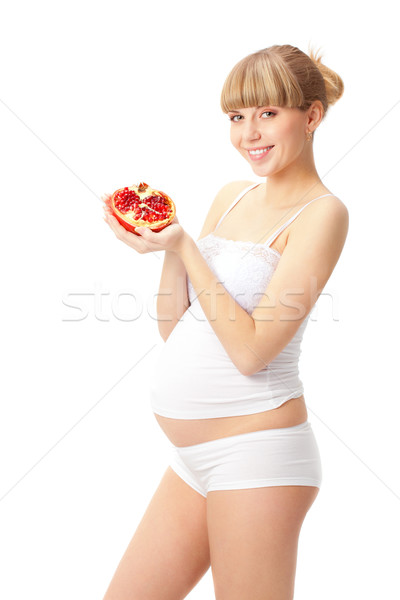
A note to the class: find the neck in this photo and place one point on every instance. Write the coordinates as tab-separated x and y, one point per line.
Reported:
295	184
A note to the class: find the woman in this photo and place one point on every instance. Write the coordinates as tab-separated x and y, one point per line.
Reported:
232	309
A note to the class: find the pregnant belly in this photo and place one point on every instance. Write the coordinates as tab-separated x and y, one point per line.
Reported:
186	432
197	393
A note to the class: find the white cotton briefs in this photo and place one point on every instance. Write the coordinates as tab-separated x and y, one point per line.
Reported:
194	378
270	457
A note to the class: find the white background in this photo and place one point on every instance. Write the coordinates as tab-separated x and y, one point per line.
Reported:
95	96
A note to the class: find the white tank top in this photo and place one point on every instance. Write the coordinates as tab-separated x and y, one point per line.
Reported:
194	377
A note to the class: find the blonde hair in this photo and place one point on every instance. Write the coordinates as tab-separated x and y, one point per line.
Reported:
281	76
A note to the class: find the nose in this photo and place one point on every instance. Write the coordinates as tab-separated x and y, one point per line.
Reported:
251	131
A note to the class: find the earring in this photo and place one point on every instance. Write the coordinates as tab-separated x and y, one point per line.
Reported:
309	136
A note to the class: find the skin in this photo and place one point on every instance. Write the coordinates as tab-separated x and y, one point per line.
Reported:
249	537
252	341
290	167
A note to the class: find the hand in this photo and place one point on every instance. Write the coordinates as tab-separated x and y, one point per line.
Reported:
170	238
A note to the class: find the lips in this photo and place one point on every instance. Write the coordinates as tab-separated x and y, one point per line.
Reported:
259	153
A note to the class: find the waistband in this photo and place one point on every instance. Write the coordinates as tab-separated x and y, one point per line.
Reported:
254	435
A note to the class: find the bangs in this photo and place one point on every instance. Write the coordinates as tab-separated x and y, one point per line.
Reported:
261	79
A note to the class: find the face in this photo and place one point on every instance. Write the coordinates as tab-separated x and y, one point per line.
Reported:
270	138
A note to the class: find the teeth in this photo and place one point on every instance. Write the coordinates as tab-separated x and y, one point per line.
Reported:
260	151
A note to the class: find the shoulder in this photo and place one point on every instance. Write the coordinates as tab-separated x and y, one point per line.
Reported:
308	260
228	192
316	241
330	205
326	218
223	199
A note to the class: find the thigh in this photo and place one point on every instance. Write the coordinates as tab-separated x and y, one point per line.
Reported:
169	551
253	537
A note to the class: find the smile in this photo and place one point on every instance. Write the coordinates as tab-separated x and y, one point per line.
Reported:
258	153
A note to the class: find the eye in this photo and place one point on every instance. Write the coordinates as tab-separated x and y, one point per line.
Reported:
234	117
267	112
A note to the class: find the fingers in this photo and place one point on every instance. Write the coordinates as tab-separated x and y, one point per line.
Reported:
138	243
113	223
120	232
150	239
106	199
107	209
146	241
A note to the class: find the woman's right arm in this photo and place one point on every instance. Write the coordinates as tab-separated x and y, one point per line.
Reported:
172	299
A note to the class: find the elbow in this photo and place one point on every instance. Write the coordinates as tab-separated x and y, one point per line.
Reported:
163	331
246	367
248	370
250	364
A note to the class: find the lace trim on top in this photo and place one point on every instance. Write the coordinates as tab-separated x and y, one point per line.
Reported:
244	268
243	243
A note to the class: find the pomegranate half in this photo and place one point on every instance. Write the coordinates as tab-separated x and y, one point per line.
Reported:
142	206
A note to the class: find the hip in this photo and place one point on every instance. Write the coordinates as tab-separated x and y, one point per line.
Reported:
271	457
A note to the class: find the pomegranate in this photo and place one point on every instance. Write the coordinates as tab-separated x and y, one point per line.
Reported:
142	206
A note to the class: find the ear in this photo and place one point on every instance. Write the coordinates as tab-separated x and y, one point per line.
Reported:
314	115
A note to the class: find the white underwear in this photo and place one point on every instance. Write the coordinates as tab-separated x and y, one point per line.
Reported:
271	457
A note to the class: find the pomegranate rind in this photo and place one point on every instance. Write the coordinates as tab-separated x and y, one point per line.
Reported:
127	220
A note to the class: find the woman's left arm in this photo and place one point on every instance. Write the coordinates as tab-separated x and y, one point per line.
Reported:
310	256
253	341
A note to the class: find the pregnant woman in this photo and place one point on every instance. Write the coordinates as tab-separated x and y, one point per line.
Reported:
232	310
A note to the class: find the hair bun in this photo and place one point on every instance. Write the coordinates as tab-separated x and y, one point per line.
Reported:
333	82
281	75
